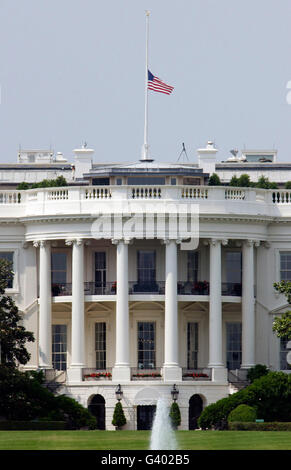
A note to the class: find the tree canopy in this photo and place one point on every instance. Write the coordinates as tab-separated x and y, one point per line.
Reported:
13	336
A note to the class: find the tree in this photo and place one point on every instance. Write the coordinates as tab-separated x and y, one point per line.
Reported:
13	336
264	183
119	419
282	324
214	180
175	415
234	181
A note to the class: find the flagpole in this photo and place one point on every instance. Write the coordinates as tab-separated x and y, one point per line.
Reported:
145	142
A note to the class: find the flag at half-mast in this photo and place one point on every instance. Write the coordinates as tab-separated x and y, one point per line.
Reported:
156	84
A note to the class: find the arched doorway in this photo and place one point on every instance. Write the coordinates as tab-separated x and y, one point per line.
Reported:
97	409
145	416
195	410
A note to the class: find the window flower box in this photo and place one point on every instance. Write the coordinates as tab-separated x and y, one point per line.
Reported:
98	376
195	376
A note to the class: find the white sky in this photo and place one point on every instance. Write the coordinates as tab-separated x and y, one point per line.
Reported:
73	71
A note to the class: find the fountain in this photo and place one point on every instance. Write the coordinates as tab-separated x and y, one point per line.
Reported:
162	436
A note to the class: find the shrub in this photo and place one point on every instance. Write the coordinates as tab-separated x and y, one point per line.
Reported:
175	415
288	185
274	426
264	183
119	419
270	395
256	372
214	180
242	413
32	425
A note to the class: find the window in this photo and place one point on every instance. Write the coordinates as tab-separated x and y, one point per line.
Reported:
192	266
100	272
283	354
119	181
233	345
100	345
285	266
145	180
146	267
233	267
100	181
59	347
192	345
8	256
59	268
173	181
146	345
191	181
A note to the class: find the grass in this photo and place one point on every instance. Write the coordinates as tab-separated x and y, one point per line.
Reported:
132	440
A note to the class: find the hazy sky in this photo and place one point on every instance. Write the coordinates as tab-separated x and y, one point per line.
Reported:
73	71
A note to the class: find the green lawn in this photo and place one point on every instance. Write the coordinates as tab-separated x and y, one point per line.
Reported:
139	440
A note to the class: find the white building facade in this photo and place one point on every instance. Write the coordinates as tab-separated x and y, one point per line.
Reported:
143	276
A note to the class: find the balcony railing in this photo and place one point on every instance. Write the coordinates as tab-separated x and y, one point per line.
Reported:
154	287
193	288
150	288
231	288
82	199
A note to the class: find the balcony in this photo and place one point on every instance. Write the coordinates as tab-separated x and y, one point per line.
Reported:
154	287
150	288
78	200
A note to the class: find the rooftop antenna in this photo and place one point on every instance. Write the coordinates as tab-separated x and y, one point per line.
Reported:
183	152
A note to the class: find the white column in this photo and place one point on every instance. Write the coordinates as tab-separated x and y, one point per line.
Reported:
248	305
215	313
77	327
171	369
121	370
45	320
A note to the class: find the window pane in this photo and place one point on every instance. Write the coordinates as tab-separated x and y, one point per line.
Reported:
59	268
283	354
146	267
100	345
233	345
233	266
146	341
59	347
192	345
285	266
8	256
192	266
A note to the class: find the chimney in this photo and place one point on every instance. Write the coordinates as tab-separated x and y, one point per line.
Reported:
83	161
207	158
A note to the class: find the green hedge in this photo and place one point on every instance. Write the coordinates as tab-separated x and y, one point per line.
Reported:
275	426
32	425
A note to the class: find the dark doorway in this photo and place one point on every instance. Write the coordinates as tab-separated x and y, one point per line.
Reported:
195	410
97	409
145	417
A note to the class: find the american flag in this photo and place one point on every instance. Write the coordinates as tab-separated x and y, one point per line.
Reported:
156	84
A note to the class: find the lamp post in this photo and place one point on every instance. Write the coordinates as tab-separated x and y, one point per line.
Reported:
118	392
174	393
